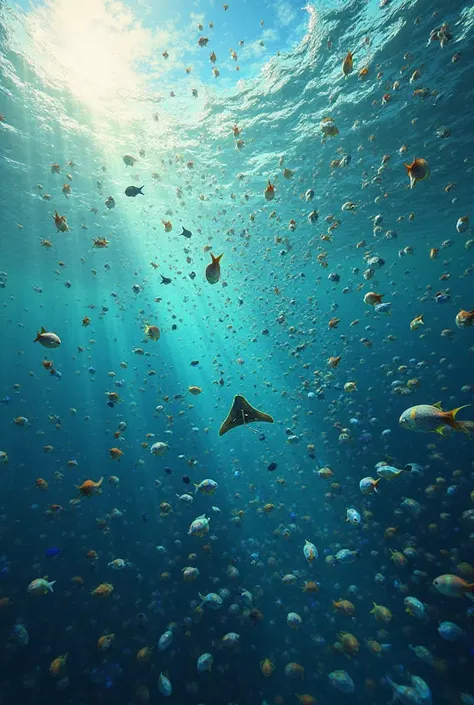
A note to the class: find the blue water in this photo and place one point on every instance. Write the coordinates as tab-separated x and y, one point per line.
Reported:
84	86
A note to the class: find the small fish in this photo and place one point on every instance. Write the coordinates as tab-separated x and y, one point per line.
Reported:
165	280
164	685
388	472
353	516
383	308
52	552
133	191
462	224
213	270
417	322
347	64
417	171
186	233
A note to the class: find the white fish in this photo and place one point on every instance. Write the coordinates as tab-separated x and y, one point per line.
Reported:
186	498
353	517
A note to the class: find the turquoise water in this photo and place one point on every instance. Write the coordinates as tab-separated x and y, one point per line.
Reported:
82	87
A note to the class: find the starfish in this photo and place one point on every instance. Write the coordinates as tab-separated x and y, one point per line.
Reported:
242	413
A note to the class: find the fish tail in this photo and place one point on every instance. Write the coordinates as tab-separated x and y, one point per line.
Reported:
216	260
450	420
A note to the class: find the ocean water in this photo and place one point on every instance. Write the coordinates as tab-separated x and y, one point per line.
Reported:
85	85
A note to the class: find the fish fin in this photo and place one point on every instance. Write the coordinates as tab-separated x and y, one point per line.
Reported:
441	429
455	411
438	405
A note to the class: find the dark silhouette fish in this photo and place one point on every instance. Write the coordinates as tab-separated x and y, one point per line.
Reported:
186	233
165	280
213	270
133	191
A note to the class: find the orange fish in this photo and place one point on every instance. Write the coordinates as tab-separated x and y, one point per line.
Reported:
267	667
115	453
349	643
347	64
89	487
145	653
57	665
103	590
105	642
310	586
372	298
465	319
306	699
344	607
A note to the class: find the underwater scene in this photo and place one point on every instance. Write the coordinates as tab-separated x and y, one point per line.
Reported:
237	379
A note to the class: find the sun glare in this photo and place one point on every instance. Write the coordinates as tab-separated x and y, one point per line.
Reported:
92	45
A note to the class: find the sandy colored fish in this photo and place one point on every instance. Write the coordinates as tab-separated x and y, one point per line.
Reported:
425	418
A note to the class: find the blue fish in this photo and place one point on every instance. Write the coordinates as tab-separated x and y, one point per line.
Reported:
52	552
